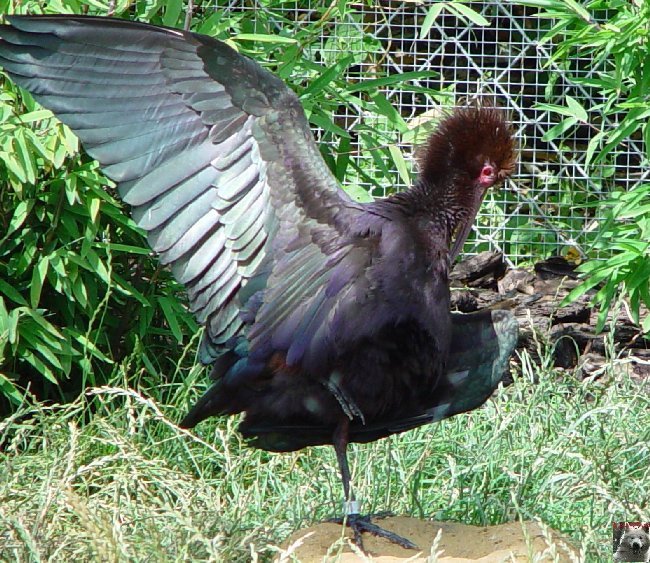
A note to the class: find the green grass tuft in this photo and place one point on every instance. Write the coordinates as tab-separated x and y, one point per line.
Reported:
110	477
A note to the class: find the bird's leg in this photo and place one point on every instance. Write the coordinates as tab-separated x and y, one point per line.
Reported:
355	521
341	440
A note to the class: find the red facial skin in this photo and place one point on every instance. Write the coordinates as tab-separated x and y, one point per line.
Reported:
488	176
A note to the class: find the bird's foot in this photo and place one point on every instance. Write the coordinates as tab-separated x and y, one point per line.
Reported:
359	524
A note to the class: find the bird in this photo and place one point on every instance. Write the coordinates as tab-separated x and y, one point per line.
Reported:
326	320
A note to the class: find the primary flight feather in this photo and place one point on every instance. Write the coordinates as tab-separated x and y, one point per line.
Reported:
326	320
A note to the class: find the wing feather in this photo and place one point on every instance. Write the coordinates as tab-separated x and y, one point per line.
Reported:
182	234
165	205
215	156
212	274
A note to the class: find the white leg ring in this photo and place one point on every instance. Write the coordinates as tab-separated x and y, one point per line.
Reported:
351	507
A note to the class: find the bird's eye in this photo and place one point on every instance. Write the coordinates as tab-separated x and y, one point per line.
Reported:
488	176
487	171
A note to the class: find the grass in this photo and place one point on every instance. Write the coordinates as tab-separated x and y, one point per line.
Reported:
110	477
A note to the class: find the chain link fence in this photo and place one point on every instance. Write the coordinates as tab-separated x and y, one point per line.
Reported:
544	210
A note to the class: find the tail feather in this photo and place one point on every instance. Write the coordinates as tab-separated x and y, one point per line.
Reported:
212	402
205	407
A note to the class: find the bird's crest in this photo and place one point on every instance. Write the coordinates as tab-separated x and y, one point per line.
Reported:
464	140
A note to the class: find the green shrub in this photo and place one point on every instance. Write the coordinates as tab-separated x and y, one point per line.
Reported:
619	46
78	287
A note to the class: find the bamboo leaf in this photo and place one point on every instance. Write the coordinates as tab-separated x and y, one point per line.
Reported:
358	193
167	306
400	164
327	77
576	109
39	275
467	13
173	9
12	293
9	390
559	129
264	38
40	366
432	15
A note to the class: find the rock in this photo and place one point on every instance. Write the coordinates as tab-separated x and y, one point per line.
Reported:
463	301
535	297
482	270
554	267
517	279
458	543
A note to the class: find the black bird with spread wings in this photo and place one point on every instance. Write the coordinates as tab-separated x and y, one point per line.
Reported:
326	320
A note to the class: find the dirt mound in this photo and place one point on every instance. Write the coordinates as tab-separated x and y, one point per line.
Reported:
514	541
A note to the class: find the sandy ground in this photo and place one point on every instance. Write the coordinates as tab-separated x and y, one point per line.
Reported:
458	543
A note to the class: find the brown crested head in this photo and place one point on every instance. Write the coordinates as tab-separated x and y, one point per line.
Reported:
475	144
472	149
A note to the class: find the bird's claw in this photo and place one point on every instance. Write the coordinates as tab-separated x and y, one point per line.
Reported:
359	523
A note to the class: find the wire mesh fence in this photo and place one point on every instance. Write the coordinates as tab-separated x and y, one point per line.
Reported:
543	210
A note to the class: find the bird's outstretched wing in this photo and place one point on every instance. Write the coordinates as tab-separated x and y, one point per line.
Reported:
481	346
213	153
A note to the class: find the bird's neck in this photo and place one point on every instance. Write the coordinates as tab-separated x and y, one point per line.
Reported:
433	209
